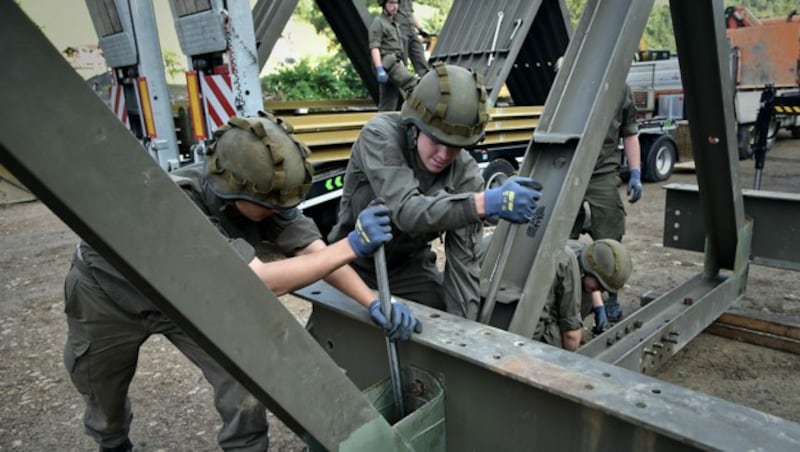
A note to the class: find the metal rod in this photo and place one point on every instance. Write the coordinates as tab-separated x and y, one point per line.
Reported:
497	274
494	40
385	297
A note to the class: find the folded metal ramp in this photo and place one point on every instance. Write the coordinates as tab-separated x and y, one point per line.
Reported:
513	42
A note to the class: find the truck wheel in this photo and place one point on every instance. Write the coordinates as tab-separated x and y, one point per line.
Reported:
795	132
659	159
744	137
497	172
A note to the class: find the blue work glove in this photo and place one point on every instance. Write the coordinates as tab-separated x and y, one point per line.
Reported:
401	326
635	186
600	319
514	201
373	229
383	77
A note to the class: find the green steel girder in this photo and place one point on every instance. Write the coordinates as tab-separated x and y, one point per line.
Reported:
269	19
60	140
774	216
566	143
505	392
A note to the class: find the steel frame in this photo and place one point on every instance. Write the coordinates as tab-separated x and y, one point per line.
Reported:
505	392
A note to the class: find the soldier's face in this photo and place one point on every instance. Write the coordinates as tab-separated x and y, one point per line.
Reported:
435	156
391	7
590	284
253	211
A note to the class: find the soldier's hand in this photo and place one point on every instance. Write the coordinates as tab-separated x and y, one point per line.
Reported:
373	229
383	77
635	186
401	324
600	319
514	201
423	33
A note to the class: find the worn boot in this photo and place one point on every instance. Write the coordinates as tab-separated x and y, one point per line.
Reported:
127	446
613	309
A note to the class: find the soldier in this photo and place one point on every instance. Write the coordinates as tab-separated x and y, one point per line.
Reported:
583	272
606	219
415	160
255	176
388	51
410	29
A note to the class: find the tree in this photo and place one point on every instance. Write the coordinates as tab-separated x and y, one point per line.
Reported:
173	63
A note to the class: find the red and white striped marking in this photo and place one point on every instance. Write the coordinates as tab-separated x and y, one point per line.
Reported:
117	104
217	99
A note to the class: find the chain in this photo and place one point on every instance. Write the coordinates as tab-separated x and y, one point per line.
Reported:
230	34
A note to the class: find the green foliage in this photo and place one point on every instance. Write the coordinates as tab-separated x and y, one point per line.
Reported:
173	63
331	78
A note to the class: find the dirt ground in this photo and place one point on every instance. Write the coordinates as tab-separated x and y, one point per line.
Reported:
40	410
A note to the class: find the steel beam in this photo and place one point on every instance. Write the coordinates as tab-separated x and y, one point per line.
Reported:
269	20
350	21
774	216
564	149
704	58
504	392
645	340
60	140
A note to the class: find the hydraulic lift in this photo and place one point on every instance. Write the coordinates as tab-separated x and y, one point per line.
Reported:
502	391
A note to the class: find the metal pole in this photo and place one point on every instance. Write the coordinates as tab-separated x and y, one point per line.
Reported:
385	297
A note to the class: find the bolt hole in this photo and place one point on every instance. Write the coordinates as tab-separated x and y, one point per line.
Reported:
329	345
641	405
496	356
462	344
606	374
316	292
656	391
487	333
589	387
519	343
435	316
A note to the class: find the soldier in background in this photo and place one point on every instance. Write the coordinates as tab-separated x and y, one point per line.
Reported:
411	29
387	47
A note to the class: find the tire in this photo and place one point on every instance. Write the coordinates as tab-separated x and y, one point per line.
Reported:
744	138
497	172
795	131
659	158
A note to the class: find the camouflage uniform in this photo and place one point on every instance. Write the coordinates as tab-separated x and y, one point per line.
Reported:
385	35
384	163
414	49
109	319
564	309
607	210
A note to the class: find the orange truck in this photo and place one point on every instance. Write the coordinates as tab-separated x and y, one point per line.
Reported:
764	52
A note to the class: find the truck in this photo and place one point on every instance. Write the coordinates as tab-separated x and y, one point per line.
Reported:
763	53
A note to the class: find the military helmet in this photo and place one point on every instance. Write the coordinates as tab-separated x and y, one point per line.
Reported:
449	105
258	159
609	262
